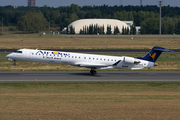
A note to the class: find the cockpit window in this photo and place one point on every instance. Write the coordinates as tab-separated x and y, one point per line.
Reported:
17	51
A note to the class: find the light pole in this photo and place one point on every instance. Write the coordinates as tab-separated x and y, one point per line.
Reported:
2	25
120	2
140	2
49	24
160	3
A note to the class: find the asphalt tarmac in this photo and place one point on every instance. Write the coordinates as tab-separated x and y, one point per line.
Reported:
84	76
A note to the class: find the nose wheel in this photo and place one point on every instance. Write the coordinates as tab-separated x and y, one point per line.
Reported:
93	72
14	63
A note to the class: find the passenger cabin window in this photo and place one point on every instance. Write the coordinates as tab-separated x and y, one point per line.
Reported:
17	51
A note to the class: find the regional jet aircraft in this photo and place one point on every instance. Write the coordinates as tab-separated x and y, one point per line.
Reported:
91	61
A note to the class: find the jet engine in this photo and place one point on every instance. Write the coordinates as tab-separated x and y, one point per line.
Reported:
130	60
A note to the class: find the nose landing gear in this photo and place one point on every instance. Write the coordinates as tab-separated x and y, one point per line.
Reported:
14	63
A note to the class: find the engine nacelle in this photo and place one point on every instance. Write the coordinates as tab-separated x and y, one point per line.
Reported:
130	60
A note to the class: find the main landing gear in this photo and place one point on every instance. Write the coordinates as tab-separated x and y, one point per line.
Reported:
93	72
14	63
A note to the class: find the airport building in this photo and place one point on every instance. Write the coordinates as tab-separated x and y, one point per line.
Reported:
31	3
81	24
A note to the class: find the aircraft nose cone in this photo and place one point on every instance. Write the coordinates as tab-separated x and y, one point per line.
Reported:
8	56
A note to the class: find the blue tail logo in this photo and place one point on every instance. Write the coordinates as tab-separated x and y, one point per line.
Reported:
154	53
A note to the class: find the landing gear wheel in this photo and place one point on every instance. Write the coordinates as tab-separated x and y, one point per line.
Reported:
14	63
93	72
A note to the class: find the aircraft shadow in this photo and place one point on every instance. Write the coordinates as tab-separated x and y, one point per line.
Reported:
84	74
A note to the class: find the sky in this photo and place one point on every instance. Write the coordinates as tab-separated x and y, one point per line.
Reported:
57	3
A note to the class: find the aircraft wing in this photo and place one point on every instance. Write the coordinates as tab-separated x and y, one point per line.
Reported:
96	66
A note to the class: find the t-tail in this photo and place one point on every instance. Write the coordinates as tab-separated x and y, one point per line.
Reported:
154	53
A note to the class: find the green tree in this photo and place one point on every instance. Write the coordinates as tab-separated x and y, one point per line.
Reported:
32	21
74	17
141	16
95	29
123	30
150	26
73	8
109	32
134	30
81	31
116	30
72	30
67	30
128	31
178	28
130	16
91	31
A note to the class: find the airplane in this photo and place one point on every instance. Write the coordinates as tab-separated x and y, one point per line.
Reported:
91	61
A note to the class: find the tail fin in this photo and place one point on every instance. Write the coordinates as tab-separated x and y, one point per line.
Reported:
154	53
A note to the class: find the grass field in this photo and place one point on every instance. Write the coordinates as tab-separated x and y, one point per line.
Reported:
61	42
167	61
90	101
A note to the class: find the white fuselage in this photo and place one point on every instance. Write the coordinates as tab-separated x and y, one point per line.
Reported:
79	59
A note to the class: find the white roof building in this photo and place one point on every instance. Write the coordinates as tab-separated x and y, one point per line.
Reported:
130	23
79	24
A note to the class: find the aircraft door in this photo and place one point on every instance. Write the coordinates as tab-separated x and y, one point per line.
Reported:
27	53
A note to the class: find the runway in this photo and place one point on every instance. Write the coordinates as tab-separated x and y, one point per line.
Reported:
84	76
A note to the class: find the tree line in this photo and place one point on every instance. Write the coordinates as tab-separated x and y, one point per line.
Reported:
39	18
